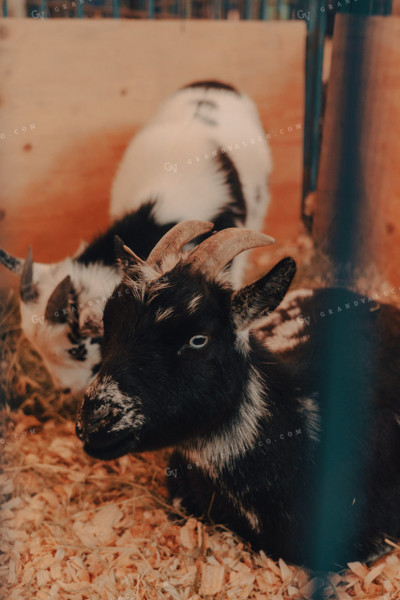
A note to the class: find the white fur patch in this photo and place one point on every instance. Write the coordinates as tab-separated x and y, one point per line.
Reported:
150	282
93	284
238	437
174	161
163	313
310	409
194	303
249	515
116	403
243	339
177	503
253	520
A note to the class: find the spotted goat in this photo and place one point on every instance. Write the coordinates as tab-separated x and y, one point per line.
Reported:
184	365
203	156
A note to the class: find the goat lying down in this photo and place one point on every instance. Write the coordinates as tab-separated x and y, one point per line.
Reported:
181	367
203	156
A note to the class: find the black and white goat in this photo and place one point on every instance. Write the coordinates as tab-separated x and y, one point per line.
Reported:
203	156
181	367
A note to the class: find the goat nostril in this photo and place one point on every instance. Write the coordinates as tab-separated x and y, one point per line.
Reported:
100	413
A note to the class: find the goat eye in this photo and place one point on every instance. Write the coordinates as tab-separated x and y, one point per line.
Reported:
198	341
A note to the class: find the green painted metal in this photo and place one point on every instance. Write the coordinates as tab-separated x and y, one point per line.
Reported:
247	9
80	10
348	382
388	7
368	7
216	9
116	9
151	10
315	16
263	10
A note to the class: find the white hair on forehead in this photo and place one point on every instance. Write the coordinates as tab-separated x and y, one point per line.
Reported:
194	303
164	313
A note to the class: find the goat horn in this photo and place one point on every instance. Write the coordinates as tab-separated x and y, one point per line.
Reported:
176	238
121	248
131	253
212	255
11	262
28	289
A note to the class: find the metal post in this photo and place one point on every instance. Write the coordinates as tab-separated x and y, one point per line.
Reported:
263	10
80	9
247	9
348	380
43	9
115	9
151	9
226	8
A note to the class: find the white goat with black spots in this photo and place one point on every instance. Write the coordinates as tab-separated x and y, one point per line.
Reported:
203	156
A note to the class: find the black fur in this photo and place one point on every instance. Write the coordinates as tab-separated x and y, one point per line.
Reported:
96	368
79	352
236	209
10	262
189	397
234	213
205	116
212	84
138	229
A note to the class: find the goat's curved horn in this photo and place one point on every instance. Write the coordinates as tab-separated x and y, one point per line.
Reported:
12	263
131	253
176	238
121	249
212	255
28	289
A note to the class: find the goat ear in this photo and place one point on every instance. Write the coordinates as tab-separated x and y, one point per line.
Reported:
62	306
258	299
59	302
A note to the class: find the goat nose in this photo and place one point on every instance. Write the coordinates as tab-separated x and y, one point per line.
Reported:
91	413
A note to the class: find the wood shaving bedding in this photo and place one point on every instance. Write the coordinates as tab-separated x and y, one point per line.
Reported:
73	528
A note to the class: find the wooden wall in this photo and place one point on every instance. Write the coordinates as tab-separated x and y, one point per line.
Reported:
74	92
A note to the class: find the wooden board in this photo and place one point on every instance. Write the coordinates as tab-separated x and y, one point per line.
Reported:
375	49
74	92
